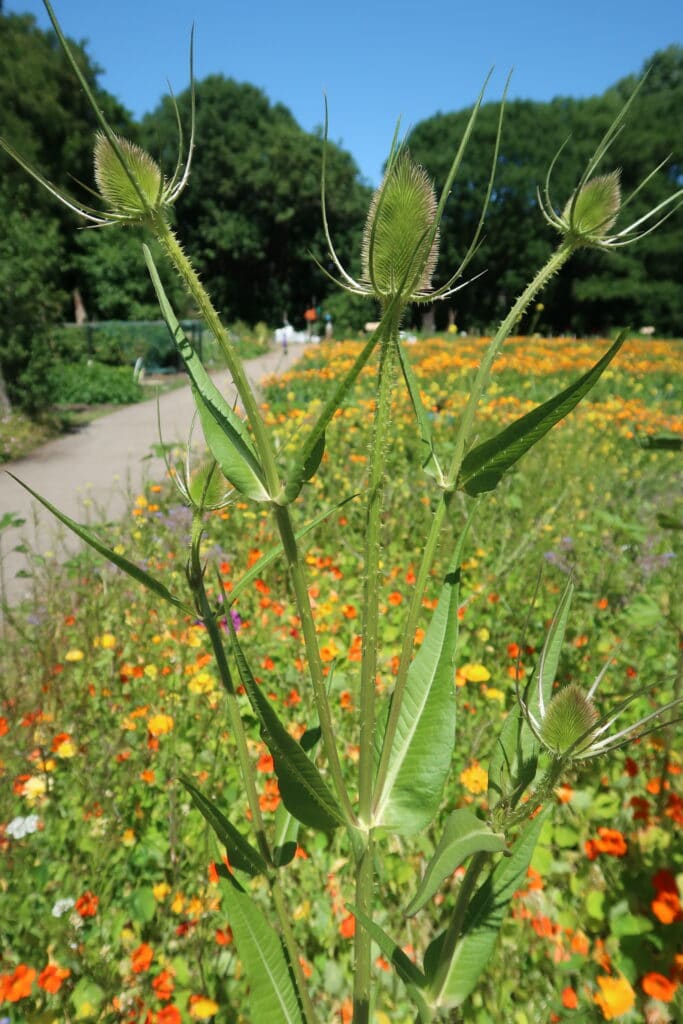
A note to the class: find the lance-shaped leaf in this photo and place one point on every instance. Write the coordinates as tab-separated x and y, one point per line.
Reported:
424	733
133	570
286	831
226	434
302	788
514	759
463	835
272	995
241	854
408	972
483	467
430	463
452	983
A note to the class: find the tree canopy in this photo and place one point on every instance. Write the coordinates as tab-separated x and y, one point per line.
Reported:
251	216
637	285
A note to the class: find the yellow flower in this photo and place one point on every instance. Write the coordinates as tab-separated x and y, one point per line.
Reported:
151	671
178	903
615	998
161	891
74	655
474	673
128	837
159	725
65	748
201	1007
34	788
491	693
107	641
203	682
475	778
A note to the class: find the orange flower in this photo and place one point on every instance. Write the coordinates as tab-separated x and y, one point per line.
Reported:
265	763
346	1010
570	1000
223	936
611	842
4	726
141	958
666	906
51	977
87	904
347	928
395	598
169	1015
346	700
616	996
270	798
659	987
163	985
17	985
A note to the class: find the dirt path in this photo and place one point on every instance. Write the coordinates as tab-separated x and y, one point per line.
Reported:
91	475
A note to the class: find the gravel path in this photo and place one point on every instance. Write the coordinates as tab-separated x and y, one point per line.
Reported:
92	475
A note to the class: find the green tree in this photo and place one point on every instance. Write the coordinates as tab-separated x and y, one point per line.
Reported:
252	214
30	302
590	295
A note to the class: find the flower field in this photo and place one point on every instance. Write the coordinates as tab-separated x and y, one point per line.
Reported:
110	904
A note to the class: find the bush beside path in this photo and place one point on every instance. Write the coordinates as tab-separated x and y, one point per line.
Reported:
92	474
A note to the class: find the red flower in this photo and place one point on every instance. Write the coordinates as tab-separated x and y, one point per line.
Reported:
169	1015
666	906
347	928
87	904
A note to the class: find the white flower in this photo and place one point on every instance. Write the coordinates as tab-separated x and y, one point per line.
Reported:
63	906
20	827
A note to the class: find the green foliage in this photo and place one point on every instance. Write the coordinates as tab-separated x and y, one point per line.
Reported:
640	284
91	383
30	301
252	215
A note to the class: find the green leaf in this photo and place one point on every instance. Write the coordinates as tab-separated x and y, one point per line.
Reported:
514	759
544	676
430	463
424	734
406	969
119	561
286	826
225	433
303	468
482	925
303	791
662	442
241	854
463	835
483	467
272	996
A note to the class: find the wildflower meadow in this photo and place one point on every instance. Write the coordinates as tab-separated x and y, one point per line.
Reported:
371	711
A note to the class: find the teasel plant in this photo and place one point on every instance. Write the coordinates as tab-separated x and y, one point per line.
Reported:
406	740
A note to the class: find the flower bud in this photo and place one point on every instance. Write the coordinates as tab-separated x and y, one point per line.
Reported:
570	715
130	192
400	244
590	214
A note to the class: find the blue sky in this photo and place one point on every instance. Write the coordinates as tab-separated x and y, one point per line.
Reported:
376	60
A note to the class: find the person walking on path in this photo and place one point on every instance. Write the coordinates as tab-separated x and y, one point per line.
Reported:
96	470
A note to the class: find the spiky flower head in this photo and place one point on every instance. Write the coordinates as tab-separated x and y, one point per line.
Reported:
129	188
589	218
592	211
570	715
401	240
